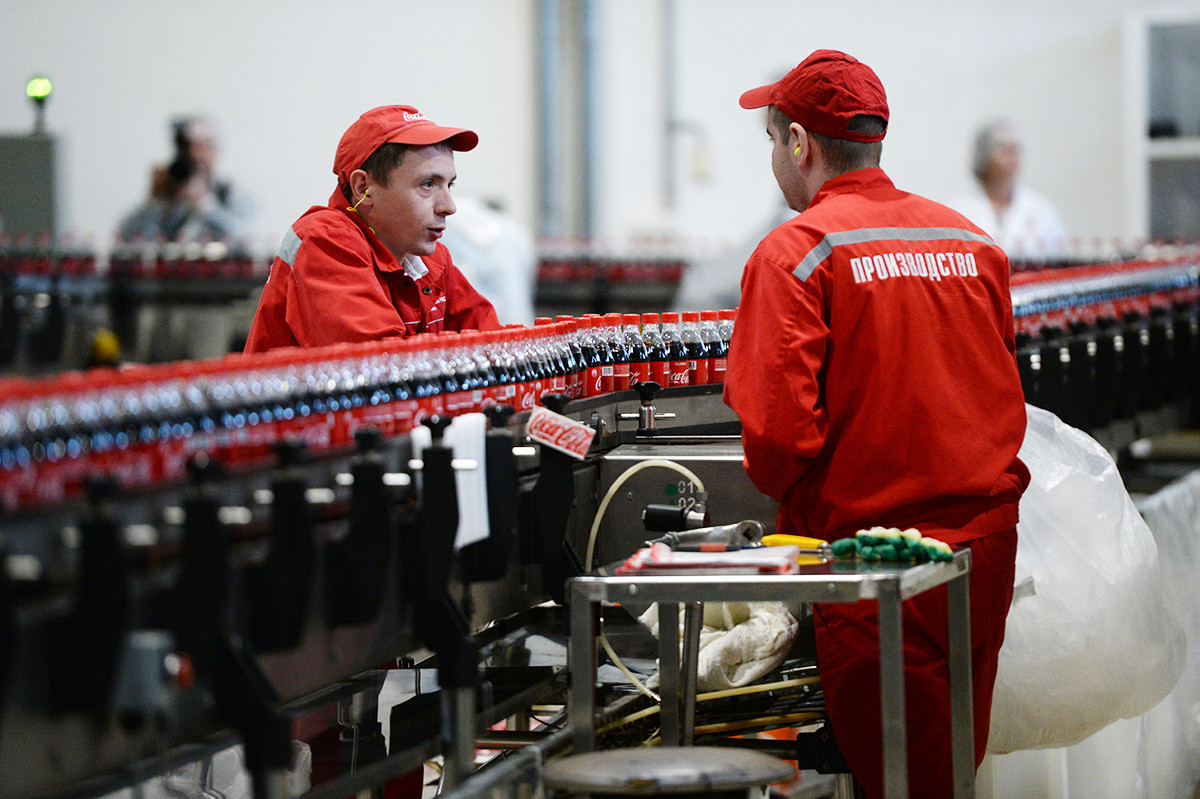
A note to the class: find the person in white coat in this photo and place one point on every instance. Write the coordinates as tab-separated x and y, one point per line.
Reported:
1023	222
497	254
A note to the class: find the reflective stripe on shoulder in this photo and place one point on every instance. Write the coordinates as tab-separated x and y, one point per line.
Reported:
288	247
825	248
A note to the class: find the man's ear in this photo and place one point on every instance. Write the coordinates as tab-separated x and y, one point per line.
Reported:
359	181
798	141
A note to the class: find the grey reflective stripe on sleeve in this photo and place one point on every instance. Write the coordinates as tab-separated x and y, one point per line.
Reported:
288	247
825	248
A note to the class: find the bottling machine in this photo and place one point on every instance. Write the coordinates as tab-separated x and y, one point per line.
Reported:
245	551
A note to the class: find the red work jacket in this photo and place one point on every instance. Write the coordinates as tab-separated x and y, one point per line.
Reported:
872	367
334	281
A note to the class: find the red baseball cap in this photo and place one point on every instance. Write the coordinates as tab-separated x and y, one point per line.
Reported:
401	124
823	93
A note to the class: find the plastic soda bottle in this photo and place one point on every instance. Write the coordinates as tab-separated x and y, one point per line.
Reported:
639	355
676	350
711	340
656	348
697	352
620	353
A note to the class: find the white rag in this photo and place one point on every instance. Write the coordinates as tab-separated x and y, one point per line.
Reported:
740	642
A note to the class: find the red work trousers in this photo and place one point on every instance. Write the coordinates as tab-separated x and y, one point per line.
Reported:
848	660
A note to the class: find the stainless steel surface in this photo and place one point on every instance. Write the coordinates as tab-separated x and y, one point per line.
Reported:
962	713
693	621
458	735
888	584
669	674
891	686
844	788
518	776
45	753
581	666
655	771
731	498
744	533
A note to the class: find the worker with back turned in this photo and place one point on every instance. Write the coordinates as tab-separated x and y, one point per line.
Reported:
872	367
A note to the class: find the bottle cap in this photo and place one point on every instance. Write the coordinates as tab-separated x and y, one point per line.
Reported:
670	318
708	316
691	316
650	319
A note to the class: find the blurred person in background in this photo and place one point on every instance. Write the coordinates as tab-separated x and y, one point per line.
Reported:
711	283
497	254
1023	222
188	201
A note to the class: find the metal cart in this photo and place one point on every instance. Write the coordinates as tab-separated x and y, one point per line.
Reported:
835	581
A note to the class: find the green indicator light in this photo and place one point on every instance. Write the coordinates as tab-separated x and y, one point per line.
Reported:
671	490
38	88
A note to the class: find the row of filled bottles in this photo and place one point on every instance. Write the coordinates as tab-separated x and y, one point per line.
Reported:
67	256
143	424
46	256
1096	294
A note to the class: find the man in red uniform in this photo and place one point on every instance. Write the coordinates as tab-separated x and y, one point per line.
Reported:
872	367
369	265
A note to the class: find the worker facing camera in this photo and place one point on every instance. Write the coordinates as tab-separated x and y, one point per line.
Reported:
369	264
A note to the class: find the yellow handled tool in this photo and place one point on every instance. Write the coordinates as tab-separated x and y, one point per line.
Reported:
804	542
812	550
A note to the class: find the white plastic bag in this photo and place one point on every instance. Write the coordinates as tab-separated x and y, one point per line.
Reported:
1090	638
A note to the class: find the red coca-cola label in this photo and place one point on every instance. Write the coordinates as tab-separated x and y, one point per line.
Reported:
404	415
506	394
698	372
717	370
622	377
660	372
594	384
382	417
679	373
559	432
173	458
534	390
315	430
